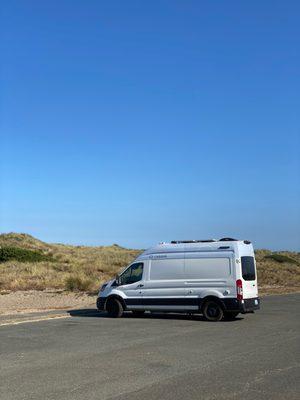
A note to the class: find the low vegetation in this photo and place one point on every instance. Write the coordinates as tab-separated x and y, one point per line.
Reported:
8	253
27	263
281	258
278	271
73	268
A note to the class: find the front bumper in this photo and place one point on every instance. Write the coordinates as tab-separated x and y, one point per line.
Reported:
101	303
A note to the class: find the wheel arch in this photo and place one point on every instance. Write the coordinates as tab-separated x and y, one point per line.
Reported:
115	297
214	298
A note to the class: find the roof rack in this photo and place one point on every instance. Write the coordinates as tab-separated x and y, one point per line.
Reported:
193	241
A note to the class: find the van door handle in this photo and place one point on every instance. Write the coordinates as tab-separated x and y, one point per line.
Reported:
140	285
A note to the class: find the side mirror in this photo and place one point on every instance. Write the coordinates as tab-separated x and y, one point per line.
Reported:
118	280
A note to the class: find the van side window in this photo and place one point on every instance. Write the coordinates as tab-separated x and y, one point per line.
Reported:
248	268
132	274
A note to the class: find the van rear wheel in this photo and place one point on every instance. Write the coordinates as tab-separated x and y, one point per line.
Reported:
212	311
114	308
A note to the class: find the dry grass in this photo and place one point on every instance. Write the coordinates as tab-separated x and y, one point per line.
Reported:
83	268
72	268
278	272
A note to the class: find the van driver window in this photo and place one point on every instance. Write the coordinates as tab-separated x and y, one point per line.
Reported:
132	274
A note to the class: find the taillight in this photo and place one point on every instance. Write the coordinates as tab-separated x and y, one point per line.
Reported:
239	289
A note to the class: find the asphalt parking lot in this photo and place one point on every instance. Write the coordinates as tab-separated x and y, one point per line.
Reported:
89	356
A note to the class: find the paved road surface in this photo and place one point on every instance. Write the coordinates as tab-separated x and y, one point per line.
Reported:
88	356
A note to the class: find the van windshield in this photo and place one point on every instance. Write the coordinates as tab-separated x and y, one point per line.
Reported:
248	268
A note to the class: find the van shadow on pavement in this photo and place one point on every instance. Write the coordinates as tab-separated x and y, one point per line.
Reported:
94	313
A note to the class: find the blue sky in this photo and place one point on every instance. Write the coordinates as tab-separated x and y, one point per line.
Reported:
135	122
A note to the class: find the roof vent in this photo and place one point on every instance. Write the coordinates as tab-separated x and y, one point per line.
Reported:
227	240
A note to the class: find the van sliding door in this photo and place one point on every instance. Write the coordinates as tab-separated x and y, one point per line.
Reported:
164	288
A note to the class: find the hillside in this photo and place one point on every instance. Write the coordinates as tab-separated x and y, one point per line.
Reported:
27	263
64	267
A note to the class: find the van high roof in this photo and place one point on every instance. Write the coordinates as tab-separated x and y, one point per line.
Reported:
194	245
204	240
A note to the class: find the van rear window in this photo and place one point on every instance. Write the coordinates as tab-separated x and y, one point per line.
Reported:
248	268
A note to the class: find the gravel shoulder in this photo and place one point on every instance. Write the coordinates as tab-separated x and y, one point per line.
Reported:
36	301
30	301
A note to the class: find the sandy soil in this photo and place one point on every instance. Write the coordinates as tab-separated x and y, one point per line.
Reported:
272	289
35	301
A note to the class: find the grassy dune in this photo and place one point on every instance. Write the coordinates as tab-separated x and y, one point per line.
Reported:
66	267
81	268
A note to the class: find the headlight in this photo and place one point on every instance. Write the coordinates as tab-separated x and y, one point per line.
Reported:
103	287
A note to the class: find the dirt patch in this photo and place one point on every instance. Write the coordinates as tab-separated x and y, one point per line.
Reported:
269	290
35	301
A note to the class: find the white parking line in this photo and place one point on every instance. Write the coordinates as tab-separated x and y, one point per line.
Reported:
25	321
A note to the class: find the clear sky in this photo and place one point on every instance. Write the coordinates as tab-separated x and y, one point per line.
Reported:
134	122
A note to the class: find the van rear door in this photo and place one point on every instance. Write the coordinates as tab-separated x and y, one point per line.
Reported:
249	277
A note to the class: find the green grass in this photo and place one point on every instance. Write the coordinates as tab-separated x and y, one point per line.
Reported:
8	253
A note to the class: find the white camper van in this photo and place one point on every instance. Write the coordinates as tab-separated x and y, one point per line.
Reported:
216	278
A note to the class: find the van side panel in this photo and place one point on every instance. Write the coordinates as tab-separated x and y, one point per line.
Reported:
210	274
164	288
165	269
207	268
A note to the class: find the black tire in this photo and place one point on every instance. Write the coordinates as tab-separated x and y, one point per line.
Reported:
230	315
138	313
212	311
114	308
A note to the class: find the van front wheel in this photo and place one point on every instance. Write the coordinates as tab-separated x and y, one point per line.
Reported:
212	311
114	308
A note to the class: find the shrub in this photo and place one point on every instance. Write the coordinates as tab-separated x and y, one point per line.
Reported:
75	283
281	258
24	255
